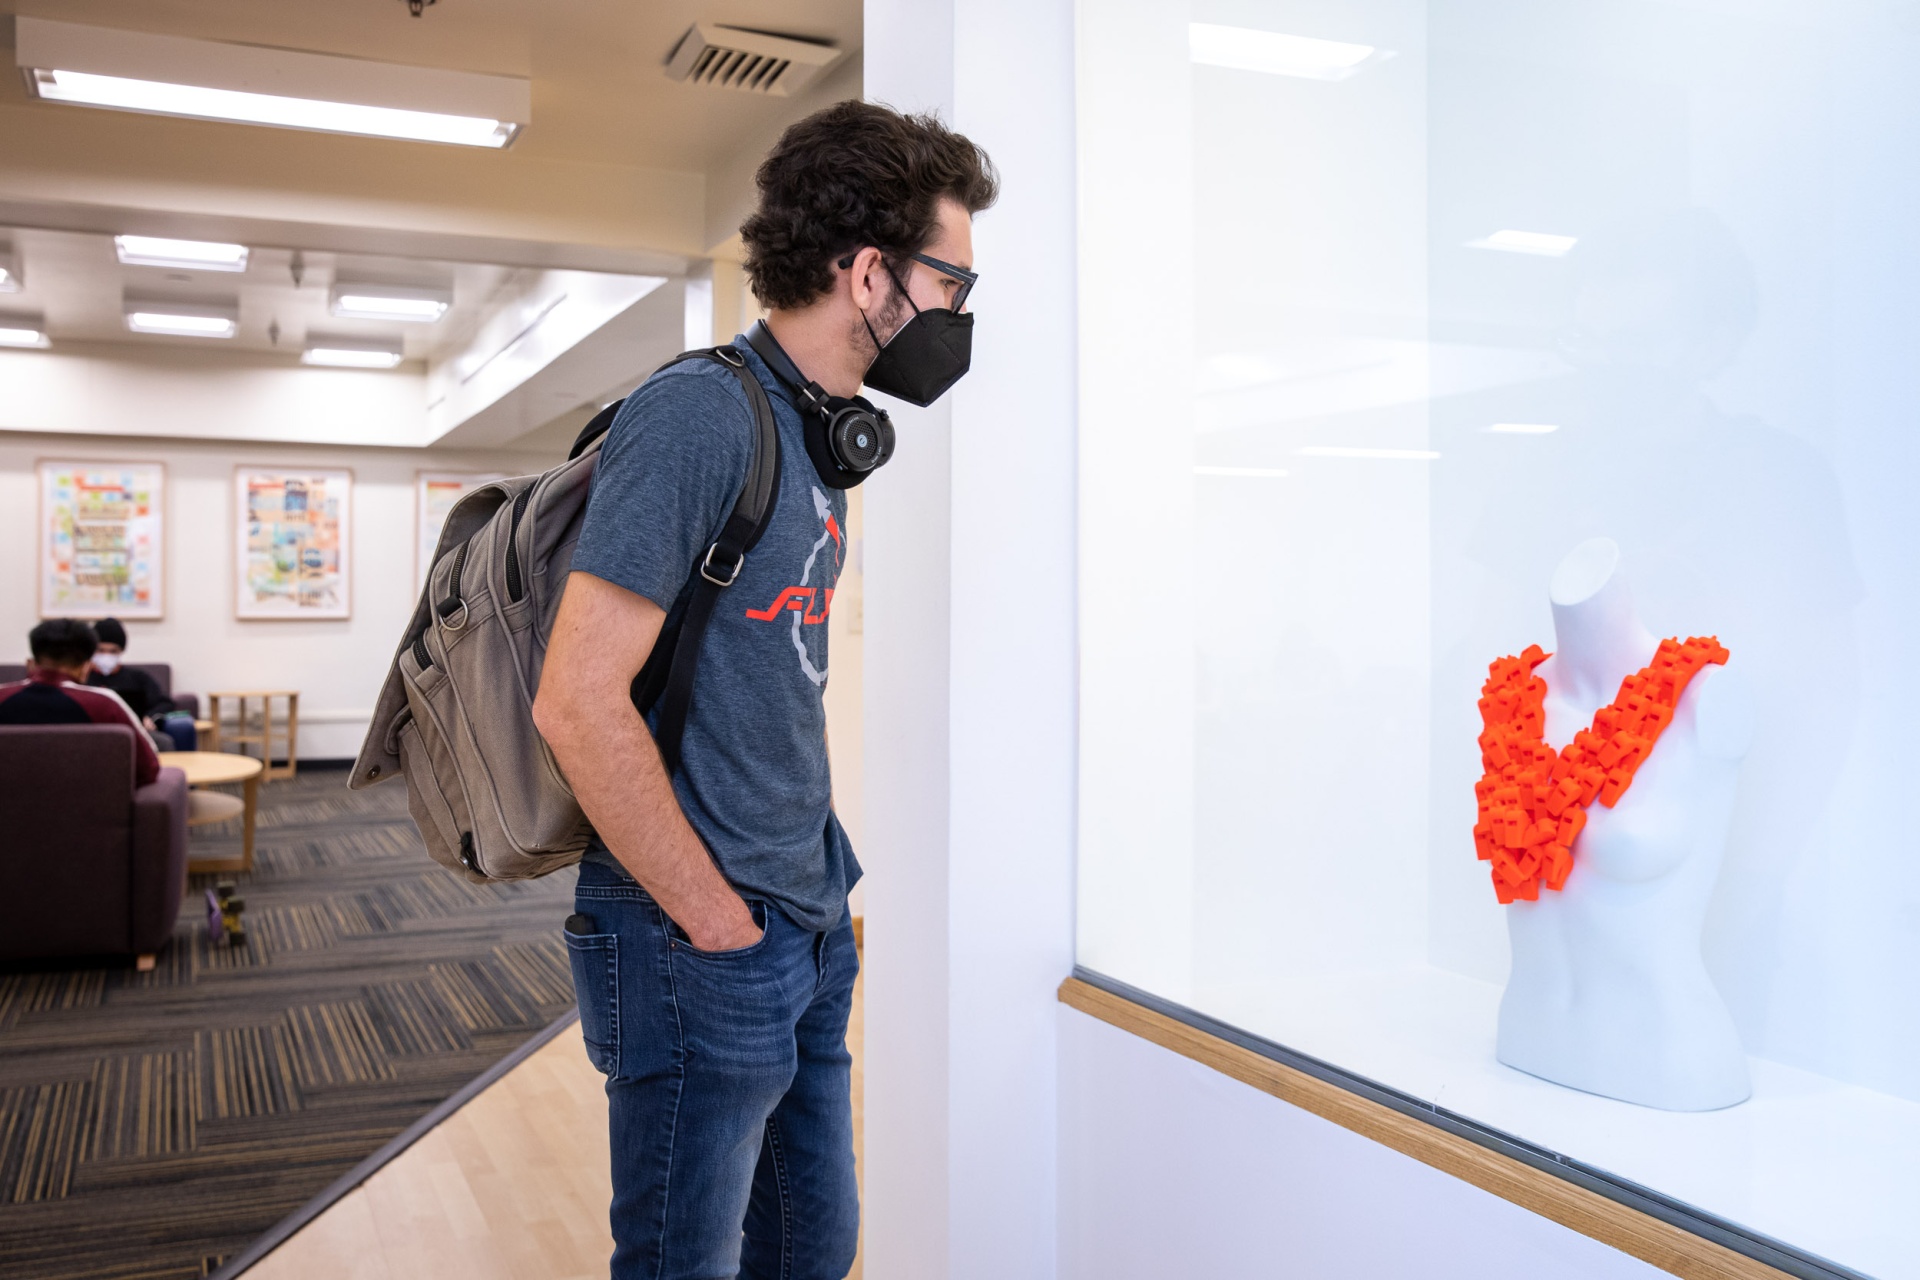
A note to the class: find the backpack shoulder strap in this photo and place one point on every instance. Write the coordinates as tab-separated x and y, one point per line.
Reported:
669	673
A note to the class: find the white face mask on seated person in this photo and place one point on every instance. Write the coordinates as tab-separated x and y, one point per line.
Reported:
106	663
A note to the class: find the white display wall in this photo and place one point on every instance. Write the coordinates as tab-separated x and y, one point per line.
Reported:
1314	515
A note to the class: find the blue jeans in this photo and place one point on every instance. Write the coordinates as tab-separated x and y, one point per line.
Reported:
178	725
728	1089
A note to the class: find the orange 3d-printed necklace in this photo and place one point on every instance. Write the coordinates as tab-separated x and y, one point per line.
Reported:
1533	800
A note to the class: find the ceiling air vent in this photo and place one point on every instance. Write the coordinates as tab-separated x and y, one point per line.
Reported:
750	61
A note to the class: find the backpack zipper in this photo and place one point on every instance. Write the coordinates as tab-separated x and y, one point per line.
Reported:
515	588
420	654
451	605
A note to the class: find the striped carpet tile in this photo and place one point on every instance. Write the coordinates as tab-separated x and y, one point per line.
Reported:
153	1124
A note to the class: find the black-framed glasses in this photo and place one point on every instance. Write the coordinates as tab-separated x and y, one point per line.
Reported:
966	278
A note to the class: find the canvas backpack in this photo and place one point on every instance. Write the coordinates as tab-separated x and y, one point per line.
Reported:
455	716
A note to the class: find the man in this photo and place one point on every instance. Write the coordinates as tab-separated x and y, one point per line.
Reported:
55	691
713	958
138	689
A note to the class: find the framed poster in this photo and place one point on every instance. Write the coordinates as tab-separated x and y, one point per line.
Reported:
102	533
291	542
434	495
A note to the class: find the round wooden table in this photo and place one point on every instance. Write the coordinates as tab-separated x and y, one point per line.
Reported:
211	768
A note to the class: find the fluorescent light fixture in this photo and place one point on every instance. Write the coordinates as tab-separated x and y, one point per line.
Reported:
1250	49
22	331
9	269
349	353
183	319
162	99
1539	243
192	255
248	84
187	326
1243	473
1357	451
1522	428
389	302
9	282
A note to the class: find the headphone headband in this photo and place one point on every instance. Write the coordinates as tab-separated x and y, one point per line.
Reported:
768	347
848	439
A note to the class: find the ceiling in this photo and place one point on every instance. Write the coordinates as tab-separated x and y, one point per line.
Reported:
600	95
620	171
77	283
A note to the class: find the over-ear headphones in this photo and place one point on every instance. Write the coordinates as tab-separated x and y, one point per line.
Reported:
847	438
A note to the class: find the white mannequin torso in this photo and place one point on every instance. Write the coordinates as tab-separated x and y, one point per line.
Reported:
1608	992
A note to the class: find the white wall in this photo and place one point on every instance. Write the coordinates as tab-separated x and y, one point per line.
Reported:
970	686
1168	1168
336	666
103	389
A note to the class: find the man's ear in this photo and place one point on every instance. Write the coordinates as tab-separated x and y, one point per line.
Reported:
867	278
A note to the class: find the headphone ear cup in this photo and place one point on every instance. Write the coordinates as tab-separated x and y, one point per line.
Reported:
885	425
859	440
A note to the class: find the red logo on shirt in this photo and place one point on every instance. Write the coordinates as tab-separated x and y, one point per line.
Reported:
798	600
811	604
801	600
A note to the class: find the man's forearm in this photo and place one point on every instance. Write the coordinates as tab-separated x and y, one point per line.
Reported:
601	638
615	769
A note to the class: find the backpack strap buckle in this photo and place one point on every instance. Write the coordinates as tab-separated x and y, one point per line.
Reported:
707	568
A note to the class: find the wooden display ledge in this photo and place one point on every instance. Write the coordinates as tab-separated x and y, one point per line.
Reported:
1630	1219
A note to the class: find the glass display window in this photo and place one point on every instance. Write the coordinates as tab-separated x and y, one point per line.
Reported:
1417	335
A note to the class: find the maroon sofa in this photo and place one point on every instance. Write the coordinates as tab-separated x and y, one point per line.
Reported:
162	672
91	863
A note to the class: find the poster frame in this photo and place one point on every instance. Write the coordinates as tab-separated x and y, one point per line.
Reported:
43	548
241	611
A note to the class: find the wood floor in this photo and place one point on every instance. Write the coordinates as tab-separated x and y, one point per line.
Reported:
513	1186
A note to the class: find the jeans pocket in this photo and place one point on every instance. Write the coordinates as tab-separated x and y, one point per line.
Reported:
762	916
595	959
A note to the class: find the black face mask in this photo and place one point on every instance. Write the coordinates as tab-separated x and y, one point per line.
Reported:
927	355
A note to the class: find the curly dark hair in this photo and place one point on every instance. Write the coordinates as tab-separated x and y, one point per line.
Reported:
853	175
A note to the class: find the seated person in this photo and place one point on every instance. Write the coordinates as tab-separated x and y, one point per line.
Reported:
136	688
55	691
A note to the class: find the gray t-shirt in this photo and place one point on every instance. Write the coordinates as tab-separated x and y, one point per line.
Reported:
754	780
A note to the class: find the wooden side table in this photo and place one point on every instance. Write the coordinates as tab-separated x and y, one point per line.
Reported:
210	768
263	730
